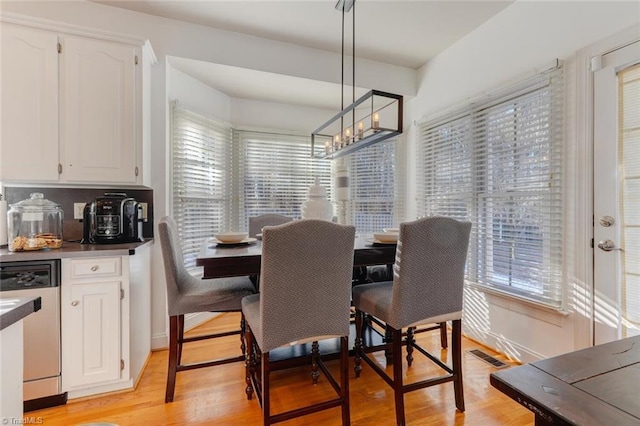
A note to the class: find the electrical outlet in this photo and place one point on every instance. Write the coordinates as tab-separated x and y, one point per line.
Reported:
78	210
144	211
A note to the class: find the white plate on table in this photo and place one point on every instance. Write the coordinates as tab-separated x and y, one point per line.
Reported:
259	236
386	237
374	241
233	243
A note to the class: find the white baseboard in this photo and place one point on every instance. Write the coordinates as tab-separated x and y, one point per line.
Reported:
498	343
160	341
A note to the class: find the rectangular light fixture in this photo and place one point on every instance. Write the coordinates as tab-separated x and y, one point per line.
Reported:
374	117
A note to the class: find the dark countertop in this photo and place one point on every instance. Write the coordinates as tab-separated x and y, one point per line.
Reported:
15	309
73	249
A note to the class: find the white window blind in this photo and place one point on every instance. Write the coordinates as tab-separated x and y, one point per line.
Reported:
498	164
629	168
376	186
276	172
201	178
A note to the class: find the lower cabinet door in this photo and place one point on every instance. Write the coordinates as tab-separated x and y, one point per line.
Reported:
91	351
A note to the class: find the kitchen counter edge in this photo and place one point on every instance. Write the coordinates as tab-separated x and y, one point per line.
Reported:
20	308
73	250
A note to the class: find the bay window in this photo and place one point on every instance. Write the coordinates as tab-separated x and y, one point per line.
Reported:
221	176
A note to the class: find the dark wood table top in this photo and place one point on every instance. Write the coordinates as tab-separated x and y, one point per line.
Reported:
238	260
593	386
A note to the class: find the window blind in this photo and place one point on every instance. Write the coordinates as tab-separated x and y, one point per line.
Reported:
376	186
498	164
201	178
276	172
629	155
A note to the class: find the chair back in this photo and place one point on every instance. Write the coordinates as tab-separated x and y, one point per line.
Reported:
176	274
305	281
428	276
256	223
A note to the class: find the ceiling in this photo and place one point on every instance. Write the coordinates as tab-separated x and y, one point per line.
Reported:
398	32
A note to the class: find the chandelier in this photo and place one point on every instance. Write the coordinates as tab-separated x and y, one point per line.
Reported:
374	117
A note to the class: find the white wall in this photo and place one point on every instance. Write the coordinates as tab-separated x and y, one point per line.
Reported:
518	42
197	96
247	113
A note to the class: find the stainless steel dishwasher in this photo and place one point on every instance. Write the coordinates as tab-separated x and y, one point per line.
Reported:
42	385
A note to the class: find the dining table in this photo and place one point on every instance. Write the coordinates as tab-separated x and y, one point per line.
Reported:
599	385
231	260
234	260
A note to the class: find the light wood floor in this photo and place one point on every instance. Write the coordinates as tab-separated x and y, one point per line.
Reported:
215	396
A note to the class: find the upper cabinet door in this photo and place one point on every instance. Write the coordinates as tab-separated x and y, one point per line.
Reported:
29	93
98	111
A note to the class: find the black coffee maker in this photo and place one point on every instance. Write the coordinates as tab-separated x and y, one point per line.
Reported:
112	219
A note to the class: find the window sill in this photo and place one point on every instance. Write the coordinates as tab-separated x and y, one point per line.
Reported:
522	306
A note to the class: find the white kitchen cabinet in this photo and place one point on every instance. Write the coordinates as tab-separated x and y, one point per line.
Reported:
95	325
98	127
71	108
29	109
106	321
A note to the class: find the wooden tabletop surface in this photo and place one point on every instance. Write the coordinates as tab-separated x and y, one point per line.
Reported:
593	386
219	260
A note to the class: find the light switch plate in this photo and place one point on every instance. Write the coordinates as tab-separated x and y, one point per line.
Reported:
78	209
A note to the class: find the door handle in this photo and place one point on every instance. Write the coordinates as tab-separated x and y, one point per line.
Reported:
607	245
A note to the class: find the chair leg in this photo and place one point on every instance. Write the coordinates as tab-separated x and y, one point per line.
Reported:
443	335
248	363
456	343
315	354
396	347
358	343
180	337
243	330
410	342
388	338
344	379
173	358
266	403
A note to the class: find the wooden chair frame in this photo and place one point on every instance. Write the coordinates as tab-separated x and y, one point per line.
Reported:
394	342
259	368
177	340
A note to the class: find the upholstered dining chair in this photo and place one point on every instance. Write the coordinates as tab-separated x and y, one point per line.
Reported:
187	294
305	297
256	223
427	288
381	273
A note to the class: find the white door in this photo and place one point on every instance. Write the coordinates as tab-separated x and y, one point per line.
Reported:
617	194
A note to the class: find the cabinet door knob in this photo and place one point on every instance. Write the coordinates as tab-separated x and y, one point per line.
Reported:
95	268
75	303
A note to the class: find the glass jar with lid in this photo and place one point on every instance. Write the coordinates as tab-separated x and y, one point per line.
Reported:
34	224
